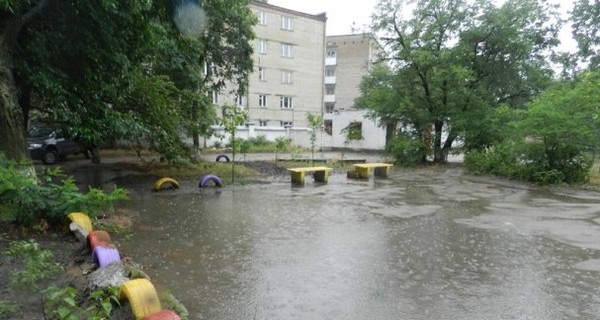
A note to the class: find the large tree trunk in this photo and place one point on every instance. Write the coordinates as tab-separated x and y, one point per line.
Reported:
438	152
390	132
12	132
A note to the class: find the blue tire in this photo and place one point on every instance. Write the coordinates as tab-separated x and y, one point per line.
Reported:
210	177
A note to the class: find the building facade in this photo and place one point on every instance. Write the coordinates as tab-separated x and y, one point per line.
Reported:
347	59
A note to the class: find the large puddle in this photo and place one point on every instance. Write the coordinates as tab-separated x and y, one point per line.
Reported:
423	244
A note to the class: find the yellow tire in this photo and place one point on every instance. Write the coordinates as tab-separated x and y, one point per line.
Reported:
142	297
82	220
160	182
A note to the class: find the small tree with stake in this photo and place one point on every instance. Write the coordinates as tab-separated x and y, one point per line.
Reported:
314	122
232	117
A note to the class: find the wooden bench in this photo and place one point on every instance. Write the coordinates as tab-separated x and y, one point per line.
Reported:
321	174
363	170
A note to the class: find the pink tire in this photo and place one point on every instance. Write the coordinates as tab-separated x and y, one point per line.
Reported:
162	315
105	255
98	238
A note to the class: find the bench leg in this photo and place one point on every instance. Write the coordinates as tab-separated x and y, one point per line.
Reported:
321	176
363	173
382	172
298	178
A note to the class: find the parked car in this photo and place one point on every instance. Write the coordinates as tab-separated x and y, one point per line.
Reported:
45	143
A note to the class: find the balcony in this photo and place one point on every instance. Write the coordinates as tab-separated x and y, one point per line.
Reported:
330	61
330	98
330	80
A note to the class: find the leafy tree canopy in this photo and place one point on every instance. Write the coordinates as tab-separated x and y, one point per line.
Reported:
453	60
121	69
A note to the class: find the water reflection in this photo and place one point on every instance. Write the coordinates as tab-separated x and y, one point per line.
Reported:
421	245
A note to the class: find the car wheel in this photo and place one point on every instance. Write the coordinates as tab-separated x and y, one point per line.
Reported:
50	156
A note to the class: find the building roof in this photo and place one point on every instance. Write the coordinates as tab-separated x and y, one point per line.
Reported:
320	17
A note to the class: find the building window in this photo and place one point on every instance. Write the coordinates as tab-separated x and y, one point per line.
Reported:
215	97
286	77
262	46
287	50
262	18
262	123
287	23
330	90
286	102
331	53
262	100
262	76
330	72
286	124
239	99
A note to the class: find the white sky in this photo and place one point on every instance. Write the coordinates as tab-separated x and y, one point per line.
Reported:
342	14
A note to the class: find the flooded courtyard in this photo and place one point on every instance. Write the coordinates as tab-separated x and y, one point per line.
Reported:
422	244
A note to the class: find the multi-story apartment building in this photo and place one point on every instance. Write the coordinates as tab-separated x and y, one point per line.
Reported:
288	76
348	59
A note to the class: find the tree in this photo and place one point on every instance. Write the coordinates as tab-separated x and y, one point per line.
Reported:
381	94
232	118
551	141
314	122
455	60
351	133
281	144
586	31
113	70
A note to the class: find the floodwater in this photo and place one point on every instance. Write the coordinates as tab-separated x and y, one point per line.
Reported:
422	244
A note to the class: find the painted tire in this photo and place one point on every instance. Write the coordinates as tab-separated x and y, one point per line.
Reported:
105	255
163	315
210	177
160	182
142	297
82	220
98	238
222	156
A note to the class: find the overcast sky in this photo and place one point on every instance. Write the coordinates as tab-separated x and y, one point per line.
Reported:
343	14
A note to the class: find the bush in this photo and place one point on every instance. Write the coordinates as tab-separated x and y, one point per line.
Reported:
407	151
26	199
259	141
531	161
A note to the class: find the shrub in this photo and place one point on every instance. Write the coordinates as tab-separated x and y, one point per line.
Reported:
26	199
259	141
407	151
37	265
531	161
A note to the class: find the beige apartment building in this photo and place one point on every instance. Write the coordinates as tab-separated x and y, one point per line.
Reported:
287	81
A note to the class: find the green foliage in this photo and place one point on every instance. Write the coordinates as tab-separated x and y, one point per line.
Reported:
122	70
170	302
314	122
37	265
259	141
455	61
7	309
406	150
26	199
586	31
63	303
527	162
281	144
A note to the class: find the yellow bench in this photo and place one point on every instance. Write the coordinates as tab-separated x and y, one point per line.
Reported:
321	174
363	170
